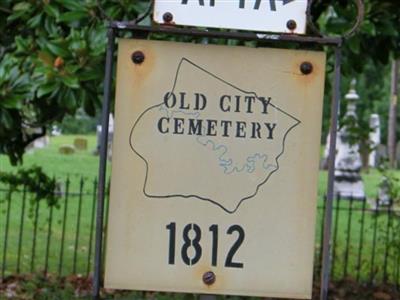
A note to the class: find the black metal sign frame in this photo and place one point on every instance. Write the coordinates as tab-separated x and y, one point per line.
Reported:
139	31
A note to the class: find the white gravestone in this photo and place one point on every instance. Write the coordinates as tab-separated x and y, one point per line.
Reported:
41	142
375	139
325	156
348	182
384	198
110	135
38	143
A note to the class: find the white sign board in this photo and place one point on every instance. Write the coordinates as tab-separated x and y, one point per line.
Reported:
287	16
214	170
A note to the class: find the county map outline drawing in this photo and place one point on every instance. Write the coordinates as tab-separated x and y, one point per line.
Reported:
264	141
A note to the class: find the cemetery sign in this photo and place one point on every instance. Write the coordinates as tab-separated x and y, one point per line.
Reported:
285	16
215	169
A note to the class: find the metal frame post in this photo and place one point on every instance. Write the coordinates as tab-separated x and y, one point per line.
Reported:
325	272
103	164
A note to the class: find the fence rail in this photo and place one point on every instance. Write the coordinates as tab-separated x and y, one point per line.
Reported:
59	239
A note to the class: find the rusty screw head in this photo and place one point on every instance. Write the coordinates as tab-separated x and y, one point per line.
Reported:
306	68
168	17
137	57
209	278
291	24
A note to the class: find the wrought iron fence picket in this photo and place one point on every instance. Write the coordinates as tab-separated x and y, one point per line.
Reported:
335	234
64	222
361	241
387	243
78	221
46	264
348	233
93	212
375	229
321	238
6	229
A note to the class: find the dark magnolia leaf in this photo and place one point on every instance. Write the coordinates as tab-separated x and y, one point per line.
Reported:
70	69
368	28
35	21
140	6
13	101
354	44
6	119
70	101
97	41
18	14
70	81
385	27
46	58
13	73
51	10
47	88
57	50
89	106
337	25
51	28
72	5
113	12
88	75
21	83
73	16
77	46
22	43
22	6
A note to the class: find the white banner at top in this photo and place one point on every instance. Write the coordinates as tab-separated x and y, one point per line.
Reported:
283	16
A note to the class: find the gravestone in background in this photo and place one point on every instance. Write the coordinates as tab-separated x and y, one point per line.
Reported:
66	149
381	153
384	198
348	182
325	155
110	135
375	139
80	144
40	142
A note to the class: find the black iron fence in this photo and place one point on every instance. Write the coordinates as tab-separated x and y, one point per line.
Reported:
59	239
365	241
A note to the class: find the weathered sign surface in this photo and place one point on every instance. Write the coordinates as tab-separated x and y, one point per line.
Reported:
214	170
258	15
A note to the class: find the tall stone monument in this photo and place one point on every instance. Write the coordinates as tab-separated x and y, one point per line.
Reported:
348	182
374	139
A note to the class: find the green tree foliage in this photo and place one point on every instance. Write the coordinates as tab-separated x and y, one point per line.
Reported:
52	60
366	56
52	56
378	38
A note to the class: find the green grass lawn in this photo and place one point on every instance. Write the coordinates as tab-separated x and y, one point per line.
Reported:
82	166
81	169
81	163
